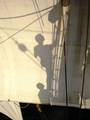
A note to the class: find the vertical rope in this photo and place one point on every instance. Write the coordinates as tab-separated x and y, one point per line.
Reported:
85	56
65	18
35	6
39	12
65	59
85	60
65	65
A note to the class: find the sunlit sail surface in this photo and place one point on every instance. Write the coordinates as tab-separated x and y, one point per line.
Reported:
42	52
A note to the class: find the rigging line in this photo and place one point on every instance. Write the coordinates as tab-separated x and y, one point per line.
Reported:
65	62
85	57
65	18
53	25
39	12
22	29
65	65
37	15
25	15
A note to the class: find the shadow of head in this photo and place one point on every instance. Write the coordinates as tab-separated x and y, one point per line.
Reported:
39	38
40	86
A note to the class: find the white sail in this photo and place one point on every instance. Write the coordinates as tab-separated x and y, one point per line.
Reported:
31	51
21	67
11	109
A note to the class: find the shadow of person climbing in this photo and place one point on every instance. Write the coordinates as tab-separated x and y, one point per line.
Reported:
43	93
44	52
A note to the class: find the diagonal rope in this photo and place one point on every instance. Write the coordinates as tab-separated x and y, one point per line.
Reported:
38	16
39	12
65	65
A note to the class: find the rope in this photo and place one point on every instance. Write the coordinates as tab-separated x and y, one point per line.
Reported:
85	57
38	15
65	64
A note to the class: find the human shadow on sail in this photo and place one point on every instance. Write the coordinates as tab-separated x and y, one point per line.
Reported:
44	53
43	93
54	18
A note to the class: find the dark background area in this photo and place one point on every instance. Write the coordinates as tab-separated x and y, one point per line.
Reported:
52	113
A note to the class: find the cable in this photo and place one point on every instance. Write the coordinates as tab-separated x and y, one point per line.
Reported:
25	15
39	12
85	56
65	18
35	6
65	64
